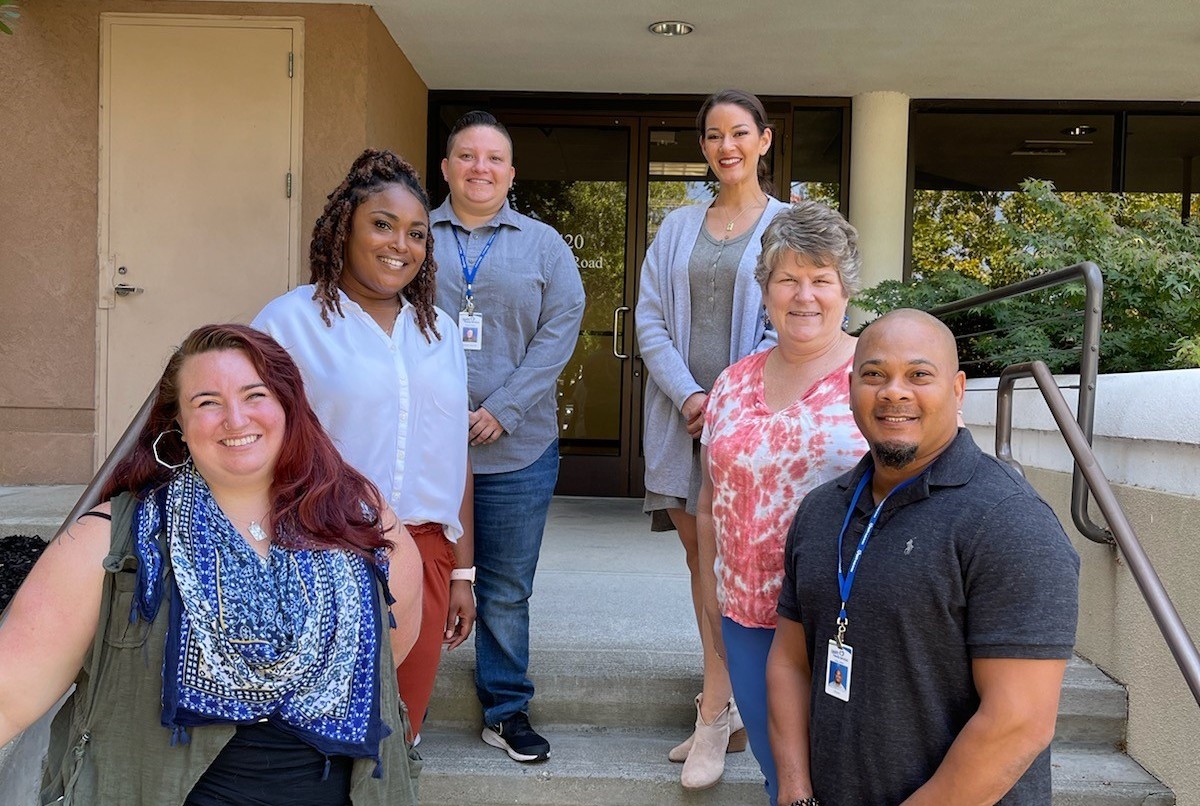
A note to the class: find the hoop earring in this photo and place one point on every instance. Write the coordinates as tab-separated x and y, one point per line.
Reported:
159	459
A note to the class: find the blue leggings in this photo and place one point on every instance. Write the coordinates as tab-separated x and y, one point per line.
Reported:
746	651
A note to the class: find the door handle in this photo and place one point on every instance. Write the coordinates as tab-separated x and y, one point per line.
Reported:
617	312
125	290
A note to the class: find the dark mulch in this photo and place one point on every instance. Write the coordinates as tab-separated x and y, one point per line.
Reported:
17	555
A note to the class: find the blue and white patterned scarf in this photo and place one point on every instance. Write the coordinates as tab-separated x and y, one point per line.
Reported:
291	637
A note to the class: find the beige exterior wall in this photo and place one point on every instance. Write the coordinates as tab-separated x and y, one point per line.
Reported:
398	101
359	90
1117	633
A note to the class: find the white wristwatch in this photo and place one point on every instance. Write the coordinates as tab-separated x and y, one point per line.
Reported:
463	573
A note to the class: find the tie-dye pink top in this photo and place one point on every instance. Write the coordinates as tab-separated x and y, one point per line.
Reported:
762	464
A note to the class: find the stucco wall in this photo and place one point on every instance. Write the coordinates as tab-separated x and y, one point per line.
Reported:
1147	442
48	181
398	101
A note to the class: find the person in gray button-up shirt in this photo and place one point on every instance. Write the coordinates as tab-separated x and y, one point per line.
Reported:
522	306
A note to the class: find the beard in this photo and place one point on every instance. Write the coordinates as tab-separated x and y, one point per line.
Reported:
894	454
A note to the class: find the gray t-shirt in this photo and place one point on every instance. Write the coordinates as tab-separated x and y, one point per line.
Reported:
966	562
712	269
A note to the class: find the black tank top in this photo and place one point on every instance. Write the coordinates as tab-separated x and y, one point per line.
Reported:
264	766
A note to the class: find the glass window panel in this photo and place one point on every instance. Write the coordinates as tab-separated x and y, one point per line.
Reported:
816	156
1162	160
998	151
575	178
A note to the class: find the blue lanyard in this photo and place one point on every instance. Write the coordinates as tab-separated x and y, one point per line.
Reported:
470	273
846	580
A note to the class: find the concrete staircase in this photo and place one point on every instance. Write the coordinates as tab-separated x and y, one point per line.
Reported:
615	660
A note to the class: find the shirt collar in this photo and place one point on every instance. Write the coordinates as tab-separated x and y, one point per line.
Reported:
506	217
953	468
354	306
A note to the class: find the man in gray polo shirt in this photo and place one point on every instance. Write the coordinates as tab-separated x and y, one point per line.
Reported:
929	604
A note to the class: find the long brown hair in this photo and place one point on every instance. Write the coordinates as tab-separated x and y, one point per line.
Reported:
373	171
316	498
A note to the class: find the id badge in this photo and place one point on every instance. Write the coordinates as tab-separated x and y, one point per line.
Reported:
838	665
470	327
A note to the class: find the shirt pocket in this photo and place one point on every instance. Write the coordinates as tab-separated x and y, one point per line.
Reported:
121	632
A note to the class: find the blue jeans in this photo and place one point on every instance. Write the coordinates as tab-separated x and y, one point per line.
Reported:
510	516
746	651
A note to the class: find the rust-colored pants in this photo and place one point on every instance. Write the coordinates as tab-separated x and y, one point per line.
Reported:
416	674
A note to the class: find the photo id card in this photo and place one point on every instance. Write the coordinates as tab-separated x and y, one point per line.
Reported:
470	326
838	664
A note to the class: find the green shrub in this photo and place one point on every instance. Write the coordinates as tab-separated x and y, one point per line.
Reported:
1149	258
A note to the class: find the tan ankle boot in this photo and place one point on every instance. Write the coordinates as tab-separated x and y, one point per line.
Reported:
737	736
706	760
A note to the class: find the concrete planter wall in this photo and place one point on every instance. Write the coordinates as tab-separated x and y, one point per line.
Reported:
1147	440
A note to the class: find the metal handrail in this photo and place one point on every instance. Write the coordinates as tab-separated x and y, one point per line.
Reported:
1165	615
91	494
1089	365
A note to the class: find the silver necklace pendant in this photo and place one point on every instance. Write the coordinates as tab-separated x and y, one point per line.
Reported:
256	531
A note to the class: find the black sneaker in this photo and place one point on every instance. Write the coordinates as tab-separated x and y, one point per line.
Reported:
516	737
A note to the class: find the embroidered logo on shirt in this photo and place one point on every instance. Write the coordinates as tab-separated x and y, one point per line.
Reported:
908	547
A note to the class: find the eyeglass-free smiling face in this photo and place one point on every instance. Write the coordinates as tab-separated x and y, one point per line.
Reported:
804	301
479	170
733	145
906	390
231	421
386	245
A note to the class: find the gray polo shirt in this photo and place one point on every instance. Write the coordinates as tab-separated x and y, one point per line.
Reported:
966	562
531	299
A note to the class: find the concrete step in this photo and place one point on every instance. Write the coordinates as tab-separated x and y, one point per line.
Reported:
587	766
616	682
1087	776
36	510
1092	707
640	688
620	767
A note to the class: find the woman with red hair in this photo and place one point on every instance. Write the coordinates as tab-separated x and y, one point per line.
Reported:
231	616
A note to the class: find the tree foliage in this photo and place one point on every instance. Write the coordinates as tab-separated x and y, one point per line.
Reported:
8	12
966	242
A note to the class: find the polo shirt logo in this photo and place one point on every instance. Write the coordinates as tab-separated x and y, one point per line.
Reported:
908	547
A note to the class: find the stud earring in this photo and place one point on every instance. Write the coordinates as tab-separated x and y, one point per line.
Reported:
159	459
846	322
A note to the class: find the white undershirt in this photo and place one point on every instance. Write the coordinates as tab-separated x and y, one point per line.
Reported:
395	406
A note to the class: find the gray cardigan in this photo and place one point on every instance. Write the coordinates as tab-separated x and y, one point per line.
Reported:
663	330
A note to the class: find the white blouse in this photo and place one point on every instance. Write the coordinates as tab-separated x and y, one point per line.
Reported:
395	406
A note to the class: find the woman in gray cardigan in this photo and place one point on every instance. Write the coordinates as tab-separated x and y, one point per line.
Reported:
699	310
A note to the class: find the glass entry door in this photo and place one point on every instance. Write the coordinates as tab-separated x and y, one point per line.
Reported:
575	174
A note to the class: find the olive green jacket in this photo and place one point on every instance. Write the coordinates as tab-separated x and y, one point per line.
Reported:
107	744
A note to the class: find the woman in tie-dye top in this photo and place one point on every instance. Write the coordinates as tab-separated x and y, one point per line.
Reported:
777	425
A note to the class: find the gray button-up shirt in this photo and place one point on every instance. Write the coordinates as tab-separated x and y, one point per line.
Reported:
531	299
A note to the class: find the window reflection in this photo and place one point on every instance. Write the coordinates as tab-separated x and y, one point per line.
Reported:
575	179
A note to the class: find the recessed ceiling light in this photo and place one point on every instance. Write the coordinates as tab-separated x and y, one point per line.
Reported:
1079	131
672	28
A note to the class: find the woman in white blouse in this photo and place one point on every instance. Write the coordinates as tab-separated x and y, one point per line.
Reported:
385	372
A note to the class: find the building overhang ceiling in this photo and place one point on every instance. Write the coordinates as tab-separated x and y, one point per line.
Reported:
985	49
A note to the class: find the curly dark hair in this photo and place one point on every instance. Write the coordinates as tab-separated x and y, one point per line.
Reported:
373	171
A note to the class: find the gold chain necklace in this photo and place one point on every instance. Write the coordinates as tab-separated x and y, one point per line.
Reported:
729	224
